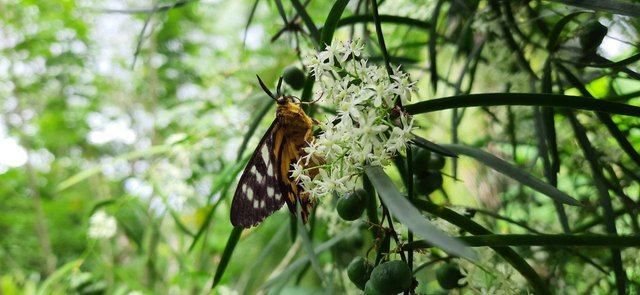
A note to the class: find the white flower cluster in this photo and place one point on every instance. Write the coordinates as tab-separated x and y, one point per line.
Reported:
102	225
367	128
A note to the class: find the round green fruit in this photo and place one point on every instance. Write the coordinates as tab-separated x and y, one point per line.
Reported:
293	76
352	204
359	271
448	276
427	183
436	162
369	289
391	277
421	158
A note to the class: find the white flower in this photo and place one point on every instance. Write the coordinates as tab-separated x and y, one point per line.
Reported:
102	225
363	131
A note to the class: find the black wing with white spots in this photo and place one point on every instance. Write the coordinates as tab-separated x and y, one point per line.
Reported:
259	192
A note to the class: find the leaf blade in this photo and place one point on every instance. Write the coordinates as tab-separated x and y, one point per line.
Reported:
404	211
513	172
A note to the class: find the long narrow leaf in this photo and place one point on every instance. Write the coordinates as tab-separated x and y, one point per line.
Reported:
603	194
540	240
331	23
521	265
308	244
252	128
313	30
523	99
436	148
410	217
507	169
433	68
259	262
611	6
220	186
249	19
605	65
288	272
234	237
385	18
554	37
59	275
380	35
604	118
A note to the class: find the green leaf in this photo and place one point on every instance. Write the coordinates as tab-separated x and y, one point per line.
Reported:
254	125
436	148
507	169
511	256
60	274
540	240
249	19
385	18
406	213
315	33
226	255
523	99
331	23
622	140
308	244
290	270
611	6
554	36
433	68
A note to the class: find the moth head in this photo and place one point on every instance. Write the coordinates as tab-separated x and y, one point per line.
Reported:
278	97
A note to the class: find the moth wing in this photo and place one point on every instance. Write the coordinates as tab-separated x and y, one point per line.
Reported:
287	155
259	192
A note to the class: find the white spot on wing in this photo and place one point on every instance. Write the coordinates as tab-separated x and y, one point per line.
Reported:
244	188
250	194
265	154
270	170
262	204
270	192
258	176
256	204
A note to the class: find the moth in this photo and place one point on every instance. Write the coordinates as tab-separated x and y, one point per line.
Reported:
266	183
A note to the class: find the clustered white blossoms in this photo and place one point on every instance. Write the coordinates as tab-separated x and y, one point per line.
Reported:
367	128
102	225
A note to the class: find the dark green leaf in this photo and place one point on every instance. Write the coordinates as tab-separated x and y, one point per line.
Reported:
523	99
331	23
410	217
611	6
234	237
507	169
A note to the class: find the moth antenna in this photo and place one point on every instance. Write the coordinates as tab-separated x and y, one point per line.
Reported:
266	89
279	87
311	102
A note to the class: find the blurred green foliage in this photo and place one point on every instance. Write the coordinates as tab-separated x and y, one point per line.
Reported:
147	111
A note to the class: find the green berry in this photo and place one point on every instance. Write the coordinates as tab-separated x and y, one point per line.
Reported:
369	289
436	162
448	276
293	76
352	204
359	271
421	159
427	183
391	277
